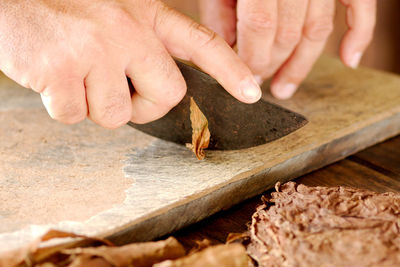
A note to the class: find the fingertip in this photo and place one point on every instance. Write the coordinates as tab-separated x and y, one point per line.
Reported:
350	57
259	79
283	91
250	91
355	60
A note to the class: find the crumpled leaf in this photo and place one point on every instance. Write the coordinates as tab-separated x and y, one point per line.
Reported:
326	226
200	132
232	255
200	245
241	238
77	254
87	261
33	253
136	254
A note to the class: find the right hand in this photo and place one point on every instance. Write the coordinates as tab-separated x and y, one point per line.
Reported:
77	55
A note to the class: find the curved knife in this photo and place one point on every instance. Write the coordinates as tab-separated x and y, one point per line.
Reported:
233	124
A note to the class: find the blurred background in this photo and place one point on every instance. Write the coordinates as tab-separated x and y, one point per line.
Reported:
382	53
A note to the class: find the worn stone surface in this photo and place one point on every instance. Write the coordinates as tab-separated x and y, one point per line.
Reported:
63	172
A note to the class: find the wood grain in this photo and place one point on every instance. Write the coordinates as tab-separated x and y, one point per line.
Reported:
348	111
382	157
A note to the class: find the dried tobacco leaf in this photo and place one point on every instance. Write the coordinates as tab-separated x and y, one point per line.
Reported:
232	255
87	261
200	245
241	238
322	226
200	132
32	254
73	255
137	254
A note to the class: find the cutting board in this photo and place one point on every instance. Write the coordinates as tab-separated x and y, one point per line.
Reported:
128	186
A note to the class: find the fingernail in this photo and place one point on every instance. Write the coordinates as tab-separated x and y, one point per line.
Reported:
355	60
250	89
284	91
259	79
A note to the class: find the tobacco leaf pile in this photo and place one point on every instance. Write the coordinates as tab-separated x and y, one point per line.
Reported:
297	226
326	226
96	252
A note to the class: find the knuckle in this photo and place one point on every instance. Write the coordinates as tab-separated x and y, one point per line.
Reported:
154	4
61	72
203	36
258	21
288	36
115	114
58	64
319	30
162	13
120	18
119	14
159	61
70	113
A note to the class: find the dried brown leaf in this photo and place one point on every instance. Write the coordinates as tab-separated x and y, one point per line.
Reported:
237	238
88	261
72	255
200	132
232	255
32	253
326	226
137	254
200	245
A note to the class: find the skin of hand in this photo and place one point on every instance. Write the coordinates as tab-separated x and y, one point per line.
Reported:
283	38
78	54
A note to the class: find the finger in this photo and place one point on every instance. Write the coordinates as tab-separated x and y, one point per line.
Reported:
191	41
108	95
220	16
65	100
159	85
317	28
257	22
291	17
361	18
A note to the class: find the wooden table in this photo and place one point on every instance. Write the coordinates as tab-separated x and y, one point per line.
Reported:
376	168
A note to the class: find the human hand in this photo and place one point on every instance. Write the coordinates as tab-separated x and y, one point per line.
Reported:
77	55
284	38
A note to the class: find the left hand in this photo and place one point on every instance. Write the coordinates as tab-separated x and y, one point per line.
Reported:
284	38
